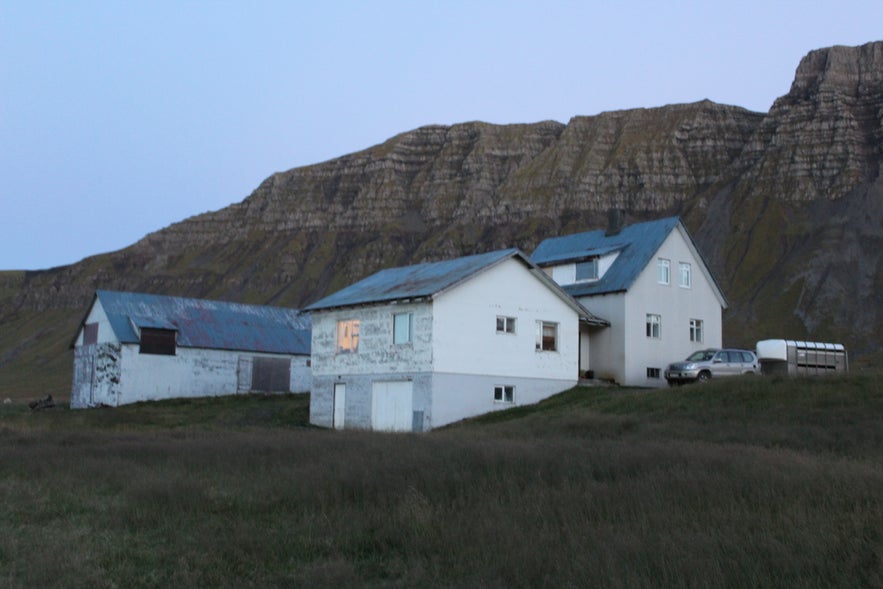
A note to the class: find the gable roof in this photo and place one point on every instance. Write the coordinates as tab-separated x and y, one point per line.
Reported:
423	281
207	324
636	244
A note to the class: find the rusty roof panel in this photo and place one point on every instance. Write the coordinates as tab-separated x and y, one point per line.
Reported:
202	323
412	282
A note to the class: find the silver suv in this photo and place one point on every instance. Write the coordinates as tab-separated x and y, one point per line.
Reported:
704	364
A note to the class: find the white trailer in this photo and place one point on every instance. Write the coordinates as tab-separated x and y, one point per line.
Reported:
781	356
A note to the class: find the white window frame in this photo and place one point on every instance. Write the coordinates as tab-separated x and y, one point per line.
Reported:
541	336
402	328
504	393
347	336
685	275
505	324
697	327
663	271
654	326
654	372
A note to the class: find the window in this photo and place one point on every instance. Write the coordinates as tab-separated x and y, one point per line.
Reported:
158	341
348	336
505	324
547	336
654	326
402	328
663	271
685	278
652	372
587	270
504	394
90	334
695	330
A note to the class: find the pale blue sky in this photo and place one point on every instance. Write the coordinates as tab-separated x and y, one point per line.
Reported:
118	118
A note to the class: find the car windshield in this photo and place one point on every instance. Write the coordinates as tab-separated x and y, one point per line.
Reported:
701	356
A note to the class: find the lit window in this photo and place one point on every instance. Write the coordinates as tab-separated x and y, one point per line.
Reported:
695	330
348	336
685	279
505	324
654	326
504	394
587	270
547	336
663	268
402	328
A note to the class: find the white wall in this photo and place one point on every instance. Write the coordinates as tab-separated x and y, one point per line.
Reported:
105	331
676	305
191	372
464	327
607	351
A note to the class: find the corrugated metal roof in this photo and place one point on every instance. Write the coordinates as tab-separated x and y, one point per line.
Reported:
412	282
636	244
426	280
209	324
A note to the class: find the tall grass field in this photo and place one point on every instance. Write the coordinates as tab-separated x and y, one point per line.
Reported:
754	482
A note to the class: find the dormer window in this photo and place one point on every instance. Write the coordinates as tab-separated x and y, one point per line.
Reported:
587	270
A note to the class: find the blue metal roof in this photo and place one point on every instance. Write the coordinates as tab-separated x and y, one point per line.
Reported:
209	324
413	282
636	244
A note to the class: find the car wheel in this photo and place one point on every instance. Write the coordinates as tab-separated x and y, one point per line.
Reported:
704	376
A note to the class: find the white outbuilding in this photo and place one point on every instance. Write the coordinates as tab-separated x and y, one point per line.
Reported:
134	347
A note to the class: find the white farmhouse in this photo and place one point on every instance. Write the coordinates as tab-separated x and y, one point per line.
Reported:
418	347
651	283
134	347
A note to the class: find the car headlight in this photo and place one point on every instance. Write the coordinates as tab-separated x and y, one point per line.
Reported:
690	367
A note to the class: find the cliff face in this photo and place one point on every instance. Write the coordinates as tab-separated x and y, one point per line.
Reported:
786	207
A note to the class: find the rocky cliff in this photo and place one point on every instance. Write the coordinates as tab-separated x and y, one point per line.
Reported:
786	206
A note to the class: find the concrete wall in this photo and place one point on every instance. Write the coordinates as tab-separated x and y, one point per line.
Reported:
97	375
359	394
113	374
377	358
376	354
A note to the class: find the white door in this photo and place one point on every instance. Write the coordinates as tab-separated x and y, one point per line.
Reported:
392	406
339	404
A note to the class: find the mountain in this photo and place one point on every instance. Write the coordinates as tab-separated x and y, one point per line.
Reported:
787	208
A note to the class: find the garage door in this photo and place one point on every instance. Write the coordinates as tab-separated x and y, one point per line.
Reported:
392	406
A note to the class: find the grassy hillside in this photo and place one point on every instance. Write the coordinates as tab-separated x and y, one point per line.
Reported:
754	482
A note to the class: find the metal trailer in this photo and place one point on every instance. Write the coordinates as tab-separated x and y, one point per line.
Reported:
780	356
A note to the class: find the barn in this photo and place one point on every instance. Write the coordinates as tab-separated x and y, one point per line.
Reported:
133	347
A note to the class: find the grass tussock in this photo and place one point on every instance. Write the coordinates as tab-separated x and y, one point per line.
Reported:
755	482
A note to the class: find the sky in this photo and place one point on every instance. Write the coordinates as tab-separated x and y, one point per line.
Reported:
119	118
